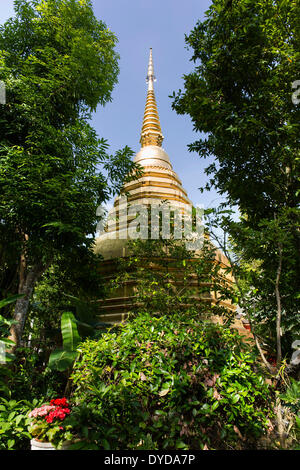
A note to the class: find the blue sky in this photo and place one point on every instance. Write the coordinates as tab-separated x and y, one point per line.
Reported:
139	25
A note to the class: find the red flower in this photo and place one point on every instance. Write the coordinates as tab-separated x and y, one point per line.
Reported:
62	402
50	417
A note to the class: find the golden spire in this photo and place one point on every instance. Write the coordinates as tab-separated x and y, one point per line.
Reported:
151	130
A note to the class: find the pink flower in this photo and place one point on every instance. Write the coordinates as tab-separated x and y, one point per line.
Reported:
42	411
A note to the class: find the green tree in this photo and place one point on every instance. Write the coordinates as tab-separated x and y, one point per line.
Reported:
240	95
257	281
58	63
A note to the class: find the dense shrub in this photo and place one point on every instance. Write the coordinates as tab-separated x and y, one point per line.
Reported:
171	383
14	423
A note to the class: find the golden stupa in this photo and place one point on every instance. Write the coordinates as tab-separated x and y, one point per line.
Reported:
158	184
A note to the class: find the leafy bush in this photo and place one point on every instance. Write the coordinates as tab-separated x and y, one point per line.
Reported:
14	421
171	383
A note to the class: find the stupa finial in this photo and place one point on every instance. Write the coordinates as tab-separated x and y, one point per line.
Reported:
150	77
151	130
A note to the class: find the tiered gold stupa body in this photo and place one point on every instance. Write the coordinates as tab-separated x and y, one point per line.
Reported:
158	184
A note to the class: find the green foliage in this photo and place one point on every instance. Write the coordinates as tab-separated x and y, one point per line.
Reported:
246	58
239	95
23	374
9	300
62	359
64	65
254	259
13	424
291	397
28	377
291	400
69	332
171	382
5	325
5	343
262	245
70	284
58	63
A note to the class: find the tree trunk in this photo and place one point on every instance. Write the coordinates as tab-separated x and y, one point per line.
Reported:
278	315
26	286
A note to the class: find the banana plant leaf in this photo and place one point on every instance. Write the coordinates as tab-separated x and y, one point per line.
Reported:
69	331
61	359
